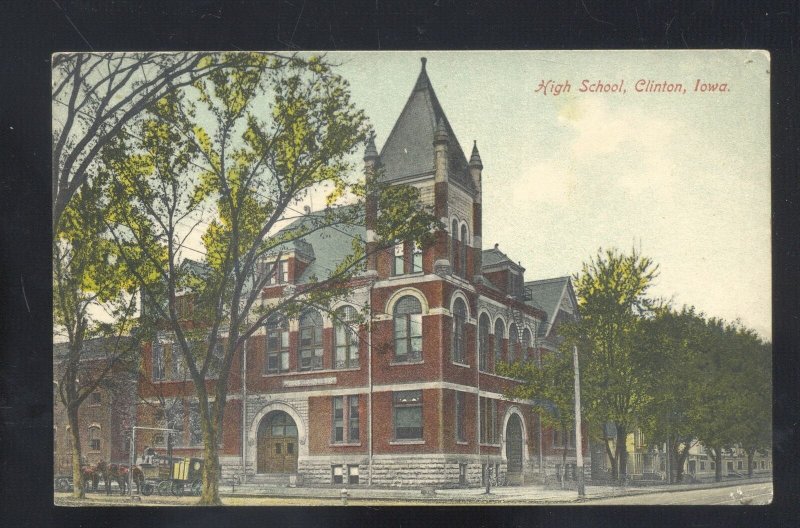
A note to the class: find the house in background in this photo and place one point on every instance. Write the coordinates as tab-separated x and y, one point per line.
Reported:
105	417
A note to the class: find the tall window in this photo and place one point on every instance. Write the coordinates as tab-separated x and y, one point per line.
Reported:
178	371
345	419
463	242
454	260
488	425
499	335
158	361
513	343
277	344
345	338
408	415
407	330
483	341
174	414
461	426
399	260
416	260
459	319
95	398
311	340
526	344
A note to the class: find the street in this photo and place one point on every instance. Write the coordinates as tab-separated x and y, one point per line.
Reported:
752	494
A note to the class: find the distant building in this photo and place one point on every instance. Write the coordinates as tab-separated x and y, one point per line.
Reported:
409	396
105	417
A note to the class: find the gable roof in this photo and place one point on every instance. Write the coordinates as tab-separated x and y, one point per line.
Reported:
547	294
409	151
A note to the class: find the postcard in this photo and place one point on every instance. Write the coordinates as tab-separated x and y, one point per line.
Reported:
412	278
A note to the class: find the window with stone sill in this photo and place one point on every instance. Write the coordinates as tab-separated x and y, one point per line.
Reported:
345	337
399	260
499	335
310	341
277	345
407	330
407	415
346	429
483	341
94	439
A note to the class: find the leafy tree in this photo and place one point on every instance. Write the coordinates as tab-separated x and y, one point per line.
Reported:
247	142
89	279
672	341
612	299
549	384
754	402
95	95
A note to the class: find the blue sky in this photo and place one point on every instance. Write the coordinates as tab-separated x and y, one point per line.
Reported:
685	177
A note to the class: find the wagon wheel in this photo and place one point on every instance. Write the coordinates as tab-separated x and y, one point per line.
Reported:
163	487
177	488
197	487
147	489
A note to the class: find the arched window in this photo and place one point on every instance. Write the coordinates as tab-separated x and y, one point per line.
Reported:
459	320
345	338
513	343
464	250
310	340
454	260
407	330
499	335
277	344
526	344
484	326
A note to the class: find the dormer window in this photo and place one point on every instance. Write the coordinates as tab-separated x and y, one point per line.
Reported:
281	272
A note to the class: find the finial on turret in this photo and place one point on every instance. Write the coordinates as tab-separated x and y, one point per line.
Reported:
441	133
475	159
423	60
371	152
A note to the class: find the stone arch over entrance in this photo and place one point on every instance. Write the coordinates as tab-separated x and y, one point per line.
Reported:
277	439
514	443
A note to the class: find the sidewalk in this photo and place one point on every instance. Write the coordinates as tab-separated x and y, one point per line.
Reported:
529	494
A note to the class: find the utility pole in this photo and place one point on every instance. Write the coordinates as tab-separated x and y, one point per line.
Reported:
578	435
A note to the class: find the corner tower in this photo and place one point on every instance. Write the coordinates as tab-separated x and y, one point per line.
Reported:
422	150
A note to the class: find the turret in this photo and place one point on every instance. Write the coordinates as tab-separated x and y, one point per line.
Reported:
475	172
372	162
441	145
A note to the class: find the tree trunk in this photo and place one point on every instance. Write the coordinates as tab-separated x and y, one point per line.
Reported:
679	456
750	454
209	495
612	459
718	463
78	491
622	452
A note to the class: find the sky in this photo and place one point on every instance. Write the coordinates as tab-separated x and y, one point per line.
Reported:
682	177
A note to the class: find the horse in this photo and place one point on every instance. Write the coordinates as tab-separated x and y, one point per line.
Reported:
90	477
116	472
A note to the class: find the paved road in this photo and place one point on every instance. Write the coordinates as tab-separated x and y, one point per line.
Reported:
750	494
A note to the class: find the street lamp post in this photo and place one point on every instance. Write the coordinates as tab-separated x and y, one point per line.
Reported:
578	435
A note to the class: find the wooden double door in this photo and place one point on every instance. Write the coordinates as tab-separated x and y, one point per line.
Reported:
277	444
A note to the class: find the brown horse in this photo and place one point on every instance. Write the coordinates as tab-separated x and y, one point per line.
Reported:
90	477
116	472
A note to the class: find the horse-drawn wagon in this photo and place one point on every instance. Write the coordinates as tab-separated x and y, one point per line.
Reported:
173	475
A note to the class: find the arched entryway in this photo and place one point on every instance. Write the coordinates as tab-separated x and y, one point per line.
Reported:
277	444
514	446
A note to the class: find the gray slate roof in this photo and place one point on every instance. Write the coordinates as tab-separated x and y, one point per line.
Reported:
408	150
546	294
491	257
328	246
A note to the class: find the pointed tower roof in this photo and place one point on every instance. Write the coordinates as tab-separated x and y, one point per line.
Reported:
475	159
408	150
370	152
